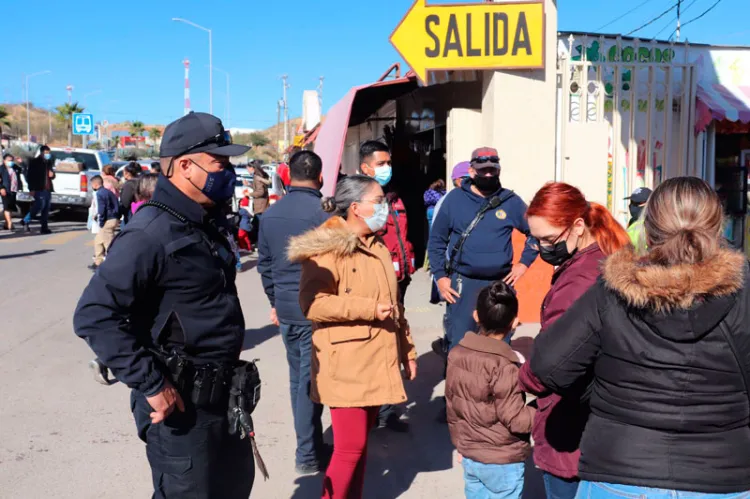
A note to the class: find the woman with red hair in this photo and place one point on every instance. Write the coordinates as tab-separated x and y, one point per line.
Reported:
575	236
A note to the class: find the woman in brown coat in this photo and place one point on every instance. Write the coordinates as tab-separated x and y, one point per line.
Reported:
361	338
261	183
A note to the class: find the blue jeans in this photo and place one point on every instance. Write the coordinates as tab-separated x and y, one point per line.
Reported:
307	423
601	490
492	481
42	201
560	488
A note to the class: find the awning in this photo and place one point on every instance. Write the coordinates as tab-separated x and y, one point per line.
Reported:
354	108
716	101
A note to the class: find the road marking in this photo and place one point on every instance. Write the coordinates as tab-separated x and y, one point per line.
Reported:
62	238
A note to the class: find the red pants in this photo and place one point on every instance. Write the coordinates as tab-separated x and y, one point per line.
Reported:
345	476
243	238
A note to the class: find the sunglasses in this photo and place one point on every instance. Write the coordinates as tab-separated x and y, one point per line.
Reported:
485	159
220	139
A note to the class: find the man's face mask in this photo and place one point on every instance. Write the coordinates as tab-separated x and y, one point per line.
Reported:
219	186
487	180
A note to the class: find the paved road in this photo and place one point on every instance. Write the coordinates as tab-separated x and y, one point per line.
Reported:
64	436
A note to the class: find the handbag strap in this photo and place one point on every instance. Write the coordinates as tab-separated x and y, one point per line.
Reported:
457	250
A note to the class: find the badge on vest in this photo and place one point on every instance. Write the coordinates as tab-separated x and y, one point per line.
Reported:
500	214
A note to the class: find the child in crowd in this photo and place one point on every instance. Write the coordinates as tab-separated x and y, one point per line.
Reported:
246	223
488	418
107	217
144	190
431	198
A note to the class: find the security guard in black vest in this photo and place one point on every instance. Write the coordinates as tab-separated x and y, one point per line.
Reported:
162	313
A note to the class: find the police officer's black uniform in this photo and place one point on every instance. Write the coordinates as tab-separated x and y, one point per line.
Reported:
168	285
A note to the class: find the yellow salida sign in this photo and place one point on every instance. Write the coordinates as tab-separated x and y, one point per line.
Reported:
471	36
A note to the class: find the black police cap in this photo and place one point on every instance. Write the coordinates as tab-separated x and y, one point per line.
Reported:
198	132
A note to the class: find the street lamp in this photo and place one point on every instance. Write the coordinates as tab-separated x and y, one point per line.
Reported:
28	111
227	114
210	62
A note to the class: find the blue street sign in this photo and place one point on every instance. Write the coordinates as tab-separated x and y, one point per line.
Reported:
83	124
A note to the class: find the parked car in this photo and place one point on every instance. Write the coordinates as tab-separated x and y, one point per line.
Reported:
275	192
71	189
120	166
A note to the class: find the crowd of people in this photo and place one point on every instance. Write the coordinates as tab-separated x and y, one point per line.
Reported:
115	202
639	376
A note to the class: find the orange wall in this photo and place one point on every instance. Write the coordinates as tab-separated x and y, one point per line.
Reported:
533	286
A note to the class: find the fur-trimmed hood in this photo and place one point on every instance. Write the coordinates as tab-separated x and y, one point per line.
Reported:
662	289
681	302
332	237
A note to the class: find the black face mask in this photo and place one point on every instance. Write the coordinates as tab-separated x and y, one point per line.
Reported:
635	211
557	254
487	184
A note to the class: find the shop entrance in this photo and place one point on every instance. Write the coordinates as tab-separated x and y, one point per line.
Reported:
626	118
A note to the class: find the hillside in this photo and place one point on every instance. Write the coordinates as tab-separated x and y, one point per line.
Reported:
40	124
40	128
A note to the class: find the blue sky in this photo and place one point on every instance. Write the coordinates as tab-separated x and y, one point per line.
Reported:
133	52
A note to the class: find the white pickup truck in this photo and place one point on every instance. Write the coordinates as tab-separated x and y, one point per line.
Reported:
72	189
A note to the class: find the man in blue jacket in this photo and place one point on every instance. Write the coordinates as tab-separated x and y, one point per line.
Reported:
296	213
108	217
476	256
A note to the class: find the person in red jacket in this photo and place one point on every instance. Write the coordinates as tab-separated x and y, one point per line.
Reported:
575	236
375	162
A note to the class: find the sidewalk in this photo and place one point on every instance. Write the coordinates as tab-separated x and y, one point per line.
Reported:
421	464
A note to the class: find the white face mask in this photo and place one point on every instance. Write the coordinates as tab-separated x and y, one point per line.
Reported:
379	217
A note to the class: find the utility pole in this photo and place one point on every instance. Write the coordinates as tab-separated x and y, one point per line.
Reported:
286	85
278	123
28	111
69	88
679	9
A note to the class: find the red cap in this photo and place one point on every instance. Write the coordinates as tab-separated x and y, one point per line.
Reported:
485	157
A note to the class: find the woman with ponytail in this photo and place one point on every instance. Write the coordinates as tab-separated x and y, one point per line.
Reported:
662	340
575	236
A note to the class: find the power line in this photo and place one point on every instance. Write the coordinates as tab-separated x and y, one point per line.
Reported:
652	21
699	16
623	15
666	27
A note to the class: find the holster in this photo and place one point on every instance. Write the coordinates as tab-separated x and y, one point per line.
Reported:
244	395
203	384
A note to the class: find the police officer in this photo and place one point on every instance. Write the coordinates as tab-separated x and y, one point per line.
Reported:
475	227
167	290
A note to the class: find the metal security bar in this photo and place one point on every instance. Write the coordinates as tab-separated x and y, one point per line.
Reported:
641	95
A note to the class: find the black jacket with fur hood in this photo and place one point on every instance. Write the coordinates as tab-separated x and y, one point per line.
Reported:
669	408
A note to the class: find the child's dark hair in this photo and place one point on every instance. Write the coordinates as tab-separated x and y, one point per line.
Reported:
96	178
497	308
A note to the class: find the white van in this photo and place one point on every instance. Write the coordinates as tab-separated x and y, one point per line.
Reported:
72	189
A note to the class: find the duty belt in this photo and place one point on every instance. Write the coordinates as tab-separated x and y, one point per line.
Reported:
234	386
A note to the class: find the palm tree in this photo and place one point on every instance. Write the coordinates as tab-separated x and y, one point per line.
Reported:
65	114
136	130
3	121
154	134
